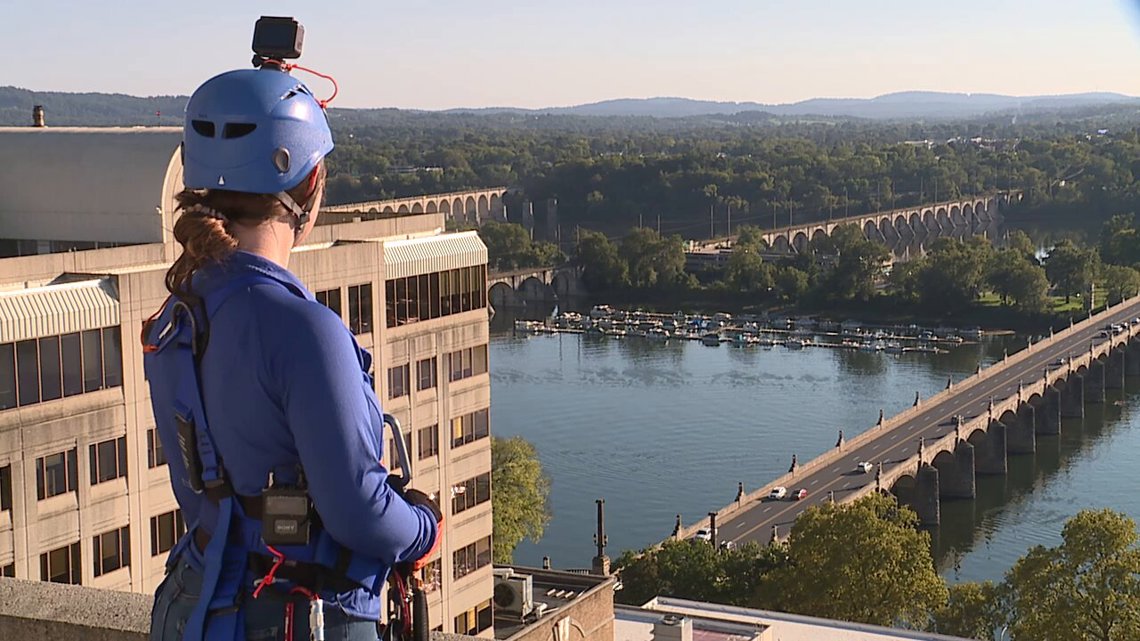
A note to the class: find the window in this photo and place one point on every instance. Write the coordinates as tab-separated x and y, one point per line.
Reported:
469	428
425	374
92	341
432	576
112	550
72	364
476	490
44	369
112	357
56	474
466	363
398	381
360	308
28	372
108	460
5	488
471	557
8	571
475	620
428	296
429	441
7	376
165	530
330	298
154	454
51	375
61	565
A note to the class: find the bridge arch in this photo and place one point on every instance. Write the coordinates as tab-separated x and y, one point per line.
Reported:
470	210
886	227
535	289
372	211
916	223
780	243
905	489
502	295
483	208
498	212
388	210
956	215
417	208
929	219
566	284
432	207
968	214
870	230
800	242
403	209
943	217
819	235
445	207
458	213
901	226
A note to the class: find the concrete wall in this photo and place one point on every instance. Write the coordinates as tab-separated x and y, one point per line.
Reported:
35	610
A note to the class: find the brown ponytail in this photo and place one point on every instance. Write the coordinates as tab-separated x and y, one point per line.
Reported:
203	226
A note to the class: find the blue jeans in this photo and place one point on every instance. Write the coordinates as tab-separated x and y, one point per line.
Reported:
264	616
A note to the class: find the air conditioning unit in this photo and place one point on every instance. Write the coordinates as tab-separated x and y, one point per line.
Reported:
514	594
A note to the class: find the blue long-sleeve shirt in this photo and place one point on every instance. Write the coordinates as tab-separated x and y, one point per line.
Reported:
285	387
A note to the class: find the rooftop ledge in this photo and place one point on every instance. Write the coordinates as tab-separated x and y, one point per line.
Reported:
40	610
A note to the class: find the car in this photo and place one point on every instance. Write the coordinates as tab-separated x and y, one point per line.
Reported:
1103	334
778	493
727	545
864	467
799	494
703	534
1060	362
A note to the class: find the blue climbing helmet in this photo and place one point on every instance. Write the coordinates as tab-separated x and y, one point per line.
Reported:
258	131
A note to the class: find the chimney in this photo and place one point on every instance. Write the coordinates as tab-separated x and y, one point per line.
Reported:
673	628
38	116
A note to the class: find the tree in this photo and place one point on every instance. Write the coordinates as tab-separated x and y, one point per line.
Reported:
518	501
905	279
747	272
865	561
791	282
507	244
653	260
1015	278
603	267
858	263
1087	588
1071	269
954	273
972	611
696	570
1020	242
1121	282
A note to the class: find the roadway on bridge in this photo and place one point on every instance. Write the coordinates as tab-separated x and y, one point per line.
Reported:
754	523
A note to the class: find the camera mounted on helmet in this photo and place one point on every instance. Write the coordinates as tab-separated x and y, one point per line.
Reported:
276	39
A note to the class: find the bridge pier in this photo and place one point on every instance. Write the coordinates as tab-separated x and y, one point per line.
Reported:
1020	437
956	480
989	453
1114	370
1073	399
1048	413
926	501
1132	360
1094	384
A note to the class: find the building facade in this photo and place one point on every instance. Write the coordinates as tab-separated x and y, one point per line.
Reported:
84	490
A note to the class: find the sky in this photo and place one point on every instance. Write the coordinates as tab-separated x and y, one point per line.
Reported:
438	54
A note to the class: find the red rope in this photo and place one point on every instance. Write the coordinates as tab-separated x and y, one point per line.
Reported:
271	575
336	88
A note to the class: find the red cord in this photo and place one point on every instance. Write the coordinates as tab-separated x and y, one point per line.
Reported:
289	621
147	347
270	576
336	88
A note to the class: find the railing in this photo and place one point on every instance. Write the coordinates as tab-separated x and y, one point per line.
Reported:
834	454
351	207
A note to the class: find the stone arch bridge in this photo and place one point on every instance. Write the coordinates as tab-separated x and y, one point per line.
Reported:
934	450
533	284
473	206
900	228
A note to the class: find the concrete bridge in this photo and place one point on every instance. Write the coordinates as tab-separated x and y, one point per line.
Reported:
474	206
533	284
900	229
934	450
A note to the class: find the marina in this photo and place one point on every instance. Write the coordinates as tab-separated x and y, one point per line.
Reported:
746	330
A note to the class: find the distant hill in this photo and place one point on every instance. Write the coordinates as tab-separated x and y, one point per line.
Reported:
903	105
99	109
91	109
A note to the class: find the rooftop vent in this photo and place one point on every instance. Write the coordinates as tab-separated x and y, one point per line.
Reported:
673	628
38	116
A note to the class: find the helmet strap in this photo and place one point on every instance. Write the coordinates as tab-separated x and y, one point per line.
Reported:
300	215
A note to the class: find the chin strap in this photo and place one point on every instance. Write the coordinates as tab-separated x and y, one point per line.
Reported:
300	215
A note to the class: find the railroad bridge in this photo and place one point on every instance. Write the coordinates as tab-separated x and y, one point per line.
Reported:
534	284
473	206
900	227
934	450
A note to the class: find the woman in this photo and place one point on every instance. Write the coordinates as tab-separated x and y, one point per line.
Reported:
265	395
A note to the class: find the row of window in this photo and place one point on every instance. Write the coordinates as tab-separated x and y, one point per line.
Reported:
110	550
470	427
475	491
466	363
44	369
359	305
58	473
427	296
461	364
475	620
469	558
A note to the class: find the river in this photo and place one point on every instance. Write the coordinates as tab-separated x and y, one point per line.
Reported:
661	429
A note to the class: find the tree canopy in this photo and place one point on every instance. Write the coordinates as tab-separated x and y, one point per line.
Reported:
519	495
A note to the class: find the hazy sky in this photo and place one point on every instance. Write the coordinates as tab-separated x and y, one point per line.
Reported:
449	53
